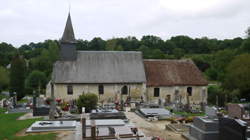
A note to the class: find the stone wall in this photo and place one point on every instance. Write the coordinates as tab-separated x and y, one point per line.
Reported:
199	94
111	91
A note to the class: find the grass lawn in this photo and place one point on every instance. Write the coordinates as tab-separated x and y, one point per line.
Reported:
22	101
9	126
2	110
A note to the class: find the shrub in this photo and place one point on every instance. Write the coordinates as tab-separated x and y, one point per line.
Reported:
89	101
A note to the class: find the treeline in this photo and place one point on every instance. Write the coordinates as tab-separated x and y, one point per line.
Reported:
217	59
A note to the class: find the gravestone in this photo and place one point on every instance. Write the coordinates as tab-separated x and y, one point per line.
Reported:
235	110
211	112
38	108
204	129
232	129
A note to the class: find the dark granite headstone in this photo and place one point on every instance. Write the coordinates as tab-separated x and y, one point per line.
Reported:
232	129
204	129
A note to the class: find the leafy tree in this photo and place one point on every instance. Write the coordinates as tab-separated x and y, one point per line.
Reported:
178	53
36	80
201	63
4	79
238	76
44	62
112	45
214	92
245	47
82	45
220	61
89	101
7	52
17	76
97	44
184	42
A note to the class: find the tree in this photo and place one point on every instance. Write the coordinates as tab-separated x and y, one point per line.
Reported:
112	45
17	76
245	47
4	79
45	60
89	101
238	75
97	44
36	81
7	52
178	53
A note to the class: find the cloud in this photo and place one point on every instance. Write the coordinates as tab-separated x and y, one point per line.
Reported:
33	21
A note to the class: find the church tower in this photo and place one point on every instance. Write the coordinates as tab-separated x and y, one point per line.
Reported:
68	43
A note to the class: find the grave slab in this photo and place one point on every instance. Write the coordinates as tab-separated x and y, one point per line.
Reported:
44	126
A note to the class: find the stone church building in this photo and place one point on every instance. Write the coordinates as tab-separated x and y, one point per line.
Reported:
117	75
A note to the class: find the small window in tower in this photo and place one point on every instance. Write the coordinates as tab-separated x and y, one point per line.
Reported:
125	90
70	90
189	91
156	92
101	89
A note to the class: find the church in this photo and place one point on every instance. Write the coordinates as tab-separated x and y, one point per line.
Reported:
119	75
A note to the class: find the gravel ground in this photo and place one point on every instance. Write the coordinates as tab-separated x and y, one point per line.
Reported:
154	128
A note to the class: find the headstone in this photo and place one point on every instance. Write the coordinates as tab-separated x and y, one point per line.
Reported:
235	110
232	129
83	110
211	112
204	129
2	103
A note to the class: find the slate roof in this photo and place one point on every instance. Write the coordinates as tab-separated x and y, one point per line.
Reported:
68	34
173	73
101	67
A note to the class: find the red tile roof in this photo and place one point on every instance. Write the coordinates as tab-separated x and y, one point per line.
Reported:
173	73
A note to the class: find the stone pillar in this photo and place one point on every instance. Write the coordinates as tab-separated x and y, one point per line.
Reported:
83	128
34	103
52	104
93	130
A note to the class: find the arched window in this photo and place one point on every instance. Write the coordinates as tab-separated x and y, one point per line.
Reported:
101	89
125	90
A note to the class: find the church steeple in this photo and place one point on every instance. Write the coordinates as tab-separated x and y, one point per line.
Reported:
68	34
68	43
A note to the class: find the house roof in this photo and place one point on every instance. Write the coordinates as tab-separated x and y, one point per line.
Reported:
101	67
173	73
68	34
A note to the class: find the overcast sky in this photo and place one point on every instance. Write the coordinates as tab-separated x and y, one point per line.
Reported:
25	21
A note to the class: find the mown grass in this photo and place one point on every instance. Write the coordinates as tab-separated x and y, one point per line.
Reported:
22	101
9	126
2	110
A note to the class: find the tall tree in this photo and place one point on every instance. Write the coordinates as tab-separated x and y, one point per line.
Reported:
238	76
36	81
17	76
4	79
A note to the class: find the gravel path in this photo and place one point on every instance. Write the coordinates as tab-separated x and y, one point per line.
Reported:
154	128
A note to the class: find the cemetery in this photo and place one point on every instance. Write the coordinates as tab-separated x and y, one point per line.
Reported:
124	88
112	121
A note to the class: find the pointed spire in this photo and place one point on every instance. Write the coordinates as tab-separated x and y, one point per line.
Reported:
68	34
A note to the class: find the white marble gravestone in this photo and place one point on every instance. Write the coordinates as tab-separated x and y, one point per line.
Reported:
211	112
